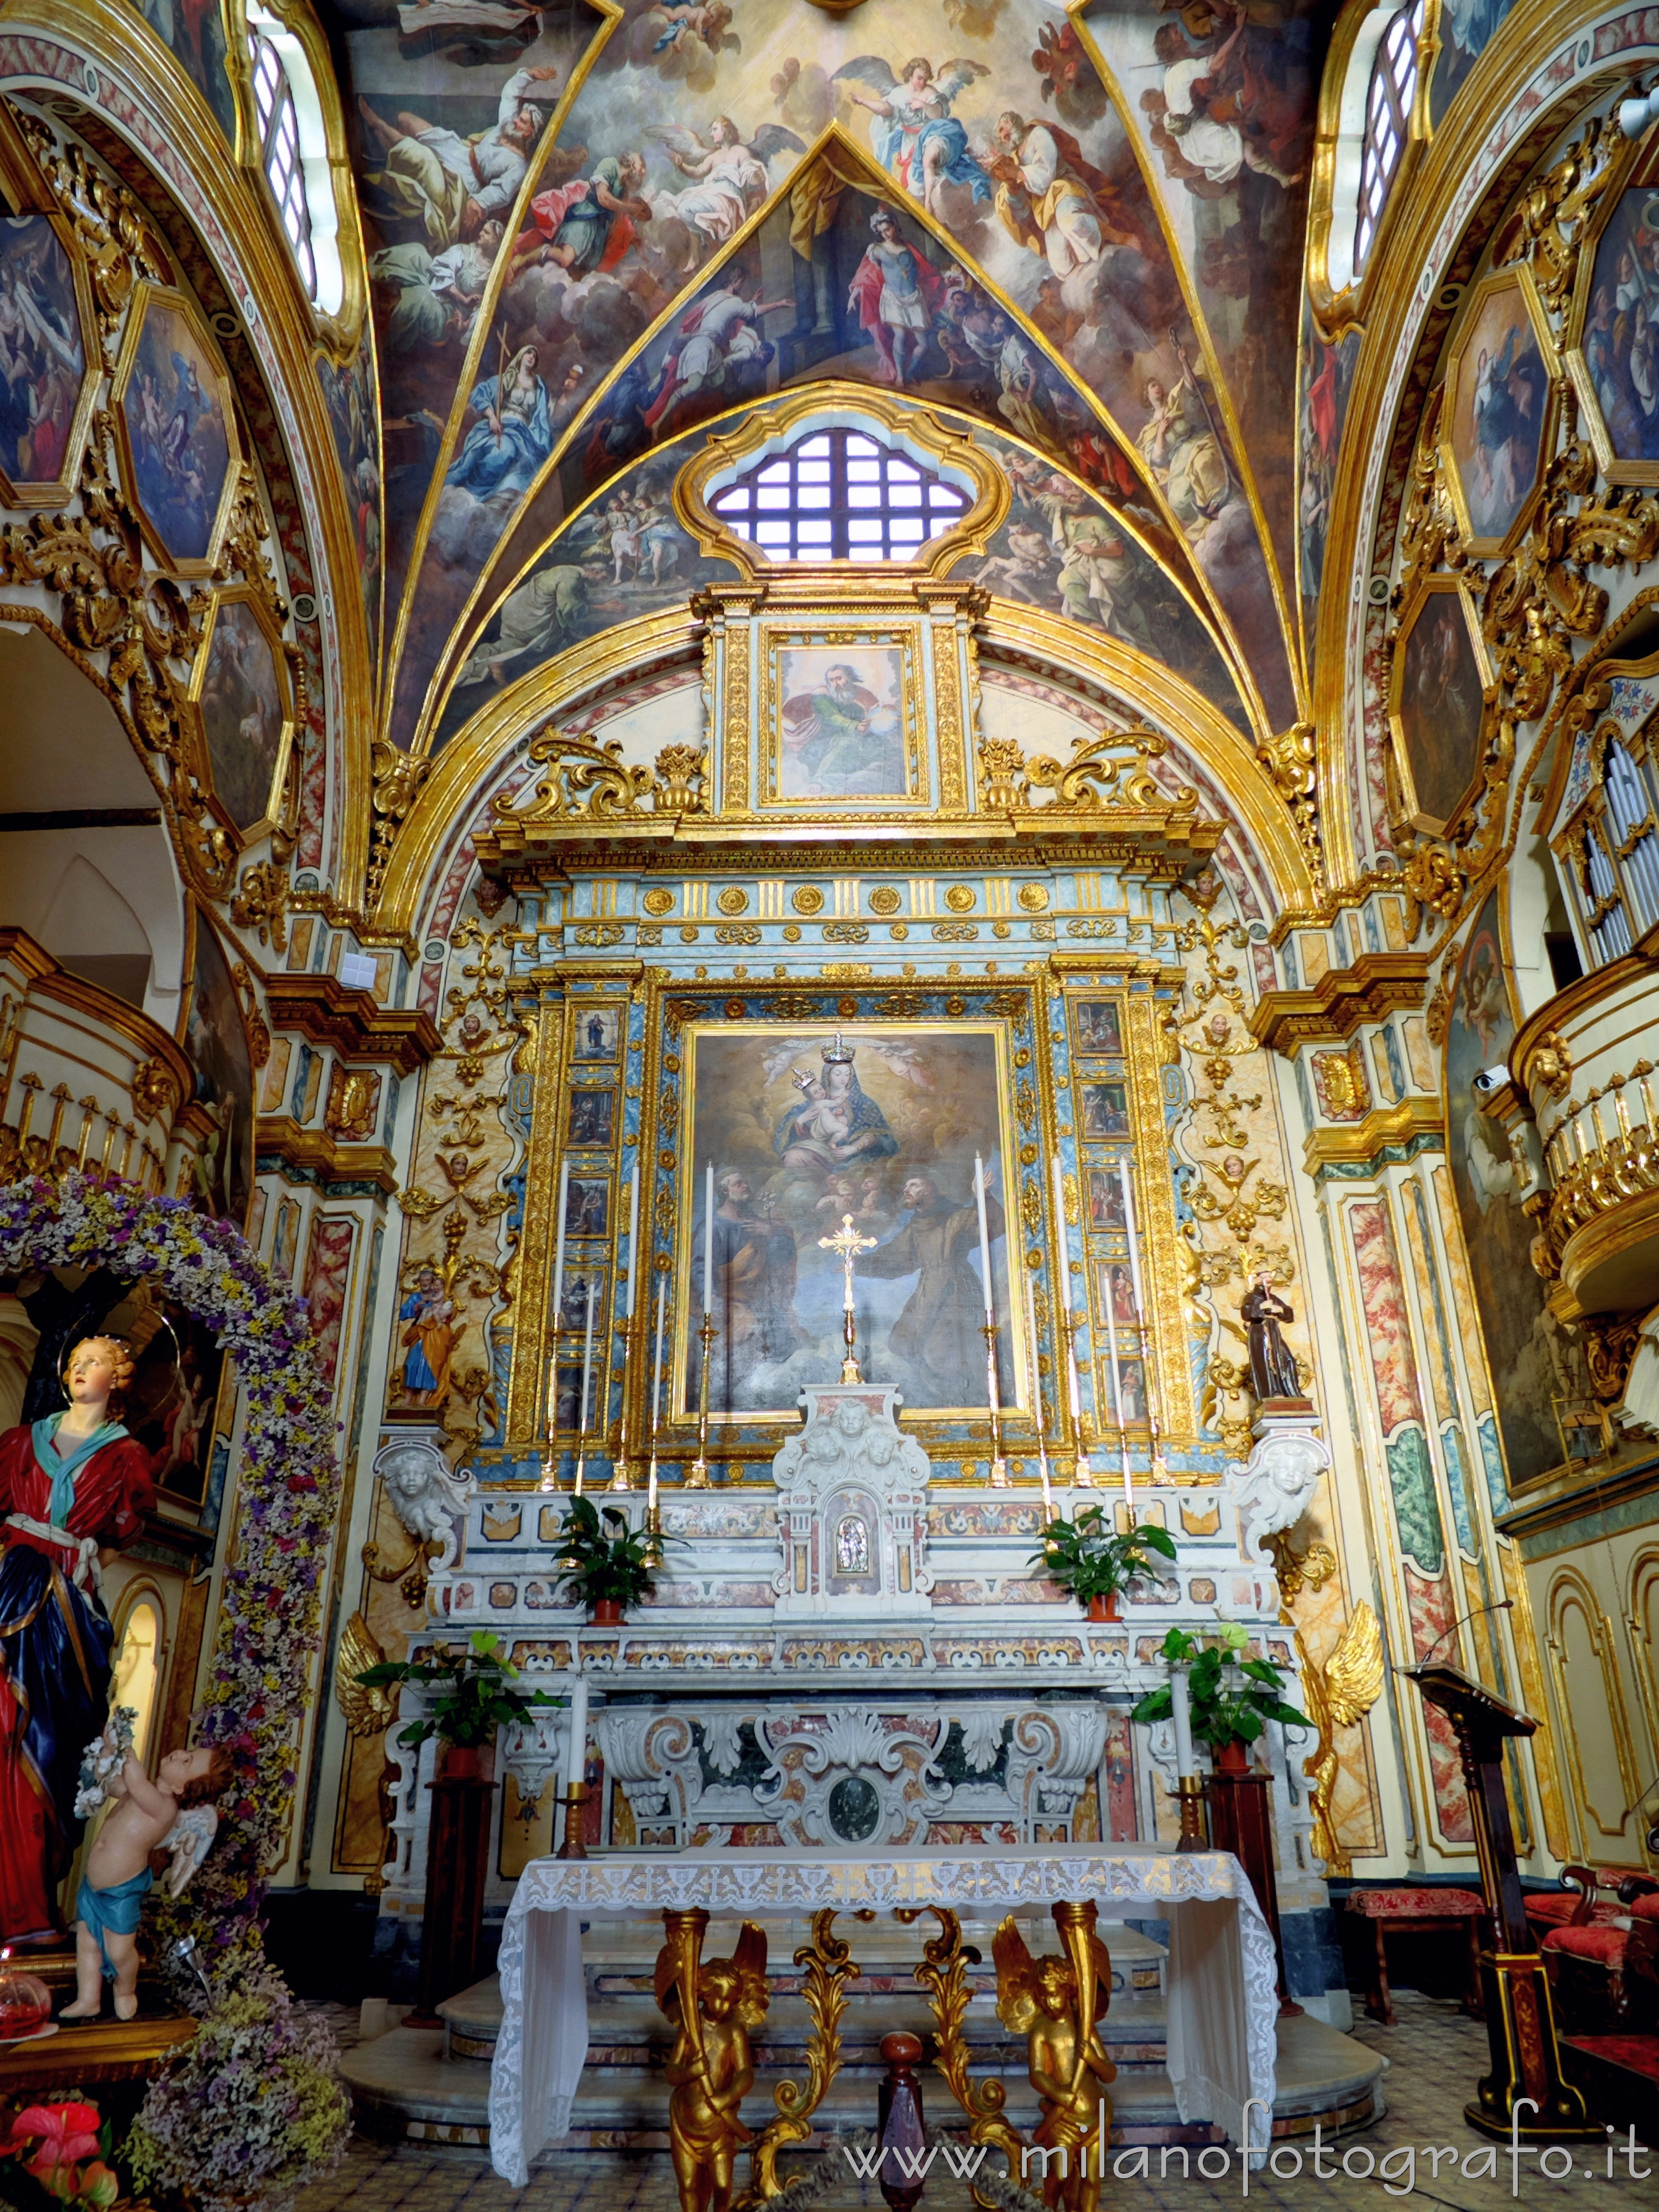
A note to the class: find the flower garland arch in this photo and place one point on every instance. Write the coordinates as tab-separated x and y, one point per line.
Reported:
269	1625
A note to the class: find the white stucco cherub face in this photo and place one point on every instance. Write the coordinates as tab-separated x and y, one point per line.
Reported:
850	1417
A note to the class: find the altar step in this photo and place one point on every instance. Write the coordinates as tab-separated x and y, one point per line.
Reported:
433	2086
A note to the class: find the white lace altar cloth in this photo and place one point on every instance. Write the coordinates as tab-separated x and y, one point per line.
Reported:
1223	1984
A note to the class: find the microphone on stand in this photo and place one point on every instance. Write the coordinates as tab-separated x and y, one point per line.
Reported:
1479	1613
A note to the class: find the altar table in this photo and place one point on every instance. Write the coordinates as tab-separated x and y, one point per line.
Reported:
1221	1979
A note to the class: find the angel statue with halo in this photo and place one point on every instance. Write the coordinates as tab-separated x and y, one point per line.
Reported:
174	1816
710	2069
1065	2060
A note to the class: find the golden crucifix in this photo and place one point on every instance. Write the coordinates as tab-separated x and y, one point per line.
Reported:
849	1245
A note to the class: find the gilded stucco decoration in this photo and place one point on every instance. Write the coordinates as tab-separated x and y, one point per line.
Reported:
144	628
1237	1189
460	1238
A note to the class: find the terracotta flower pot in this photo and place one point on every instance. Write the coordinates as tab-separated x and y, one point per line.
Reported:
1104	1609
1233	1757
466	1762
605	1613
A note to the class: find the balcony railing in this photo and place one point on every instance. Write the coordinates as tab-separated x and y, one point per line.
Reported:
89	1082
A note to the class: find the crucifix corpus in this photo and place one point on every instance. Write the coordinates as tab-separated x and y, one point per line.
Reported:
849	1245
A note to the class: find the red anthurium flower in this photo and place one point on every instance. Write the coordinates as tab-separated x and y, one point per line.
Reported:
64	2133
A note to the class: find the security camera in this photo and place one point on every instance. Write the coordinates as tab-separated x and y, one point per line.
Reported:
1635	115
1492	1078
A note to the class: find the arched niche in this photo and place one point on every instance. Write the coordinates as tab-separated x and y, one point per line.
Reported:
86	863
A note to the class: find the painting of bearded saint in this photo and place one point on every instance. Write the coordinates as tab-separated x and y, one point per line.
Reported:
842	734
1533	1363
881	1125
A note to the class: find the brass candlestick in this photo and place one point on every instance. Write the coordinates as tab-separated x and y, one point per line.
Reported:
574	1797
550	1482
1071	1321
619	1475
999	1474
697	1475
1189	1790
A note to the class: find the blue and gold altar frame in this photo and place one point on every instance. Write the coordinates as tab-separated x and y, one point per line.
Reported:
1046	1038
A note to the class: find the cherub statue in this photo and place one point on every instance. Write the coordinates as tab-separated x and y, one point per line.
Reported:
1037	1998
710	2070
174	1813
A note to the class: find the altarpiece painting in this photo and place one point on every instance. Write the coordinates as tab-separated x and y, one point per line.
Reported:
882	1123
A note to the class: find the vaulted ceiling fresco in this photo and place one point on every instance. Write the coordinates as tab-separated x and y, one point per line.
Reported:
592	229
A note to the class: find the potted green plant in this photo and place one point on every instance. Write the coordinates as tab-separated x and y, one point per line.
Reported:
1231	1697
476	1695
604	1560
1095	1563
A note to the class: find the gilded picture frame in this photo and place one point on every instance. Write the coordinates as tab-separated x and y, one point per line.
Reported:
185	423
843	719
1440	677
229	693
1498	423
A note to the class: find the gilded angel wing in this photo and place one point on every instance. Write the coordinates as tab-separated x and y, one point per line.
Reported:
369	1708
1016	2004
1353	1673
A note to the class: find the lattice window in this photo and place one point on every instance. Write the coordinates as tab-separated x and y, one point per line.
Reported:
279	151
840	495
1389	100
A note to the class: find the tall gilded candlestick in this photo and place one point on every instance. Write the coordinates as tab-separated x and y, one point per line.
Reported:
1042	1440
697	1475
998	1475
587	1385
652	1511
551	1460
1149	1366
1083	1475
620	1478
1117	1400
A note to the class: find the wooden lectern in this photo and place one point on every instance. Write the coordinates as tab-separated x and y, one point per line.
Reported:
1520	2023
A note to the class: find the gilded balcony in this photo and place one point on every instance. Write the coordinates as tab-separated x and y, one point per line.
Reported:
89	1082
1588	1061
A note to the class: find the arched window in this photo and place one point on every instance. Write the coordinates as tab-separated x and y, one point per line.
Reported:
137	1671
840	495
1389	100
294	152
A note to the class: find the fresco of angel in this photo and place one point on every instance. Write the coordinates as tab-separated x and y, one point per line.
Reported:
915	136
727	175
1037	1998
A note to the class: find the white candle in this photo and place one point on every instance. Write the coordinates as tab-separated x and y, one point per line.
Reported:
576	1750
1036	1401
1117	1401
633	1239
1181	1714
558	1249
1134	1241
656	1392
984	1239
1062	1244
588	1381
708	1243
